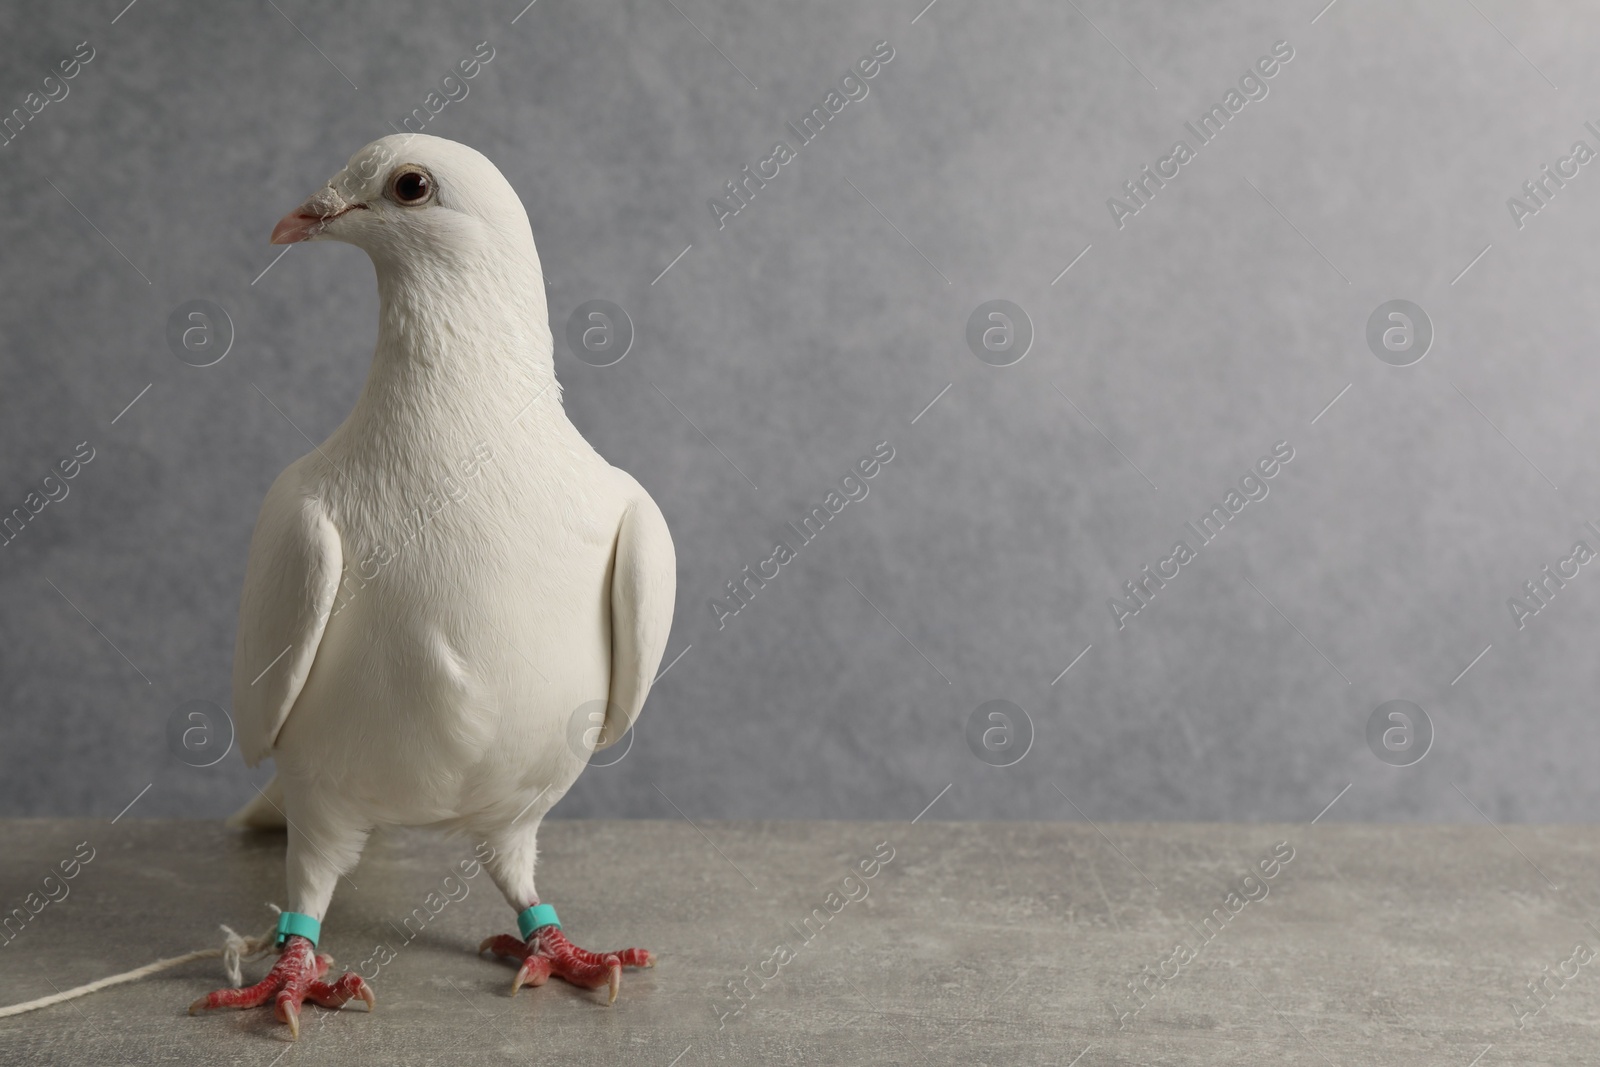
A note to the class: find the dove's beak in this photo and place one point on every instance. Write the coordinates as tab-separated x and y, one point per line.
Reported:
311	218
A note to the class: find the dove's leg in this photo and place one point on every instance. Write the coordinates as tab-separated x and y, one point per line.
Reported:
320	852
546	950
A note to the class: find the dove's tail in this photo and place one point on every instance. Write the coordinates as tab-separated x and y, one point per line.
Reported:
264	812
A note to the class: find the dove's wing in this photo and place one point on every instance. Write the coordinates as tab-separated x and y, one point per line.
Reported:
644	581
289	588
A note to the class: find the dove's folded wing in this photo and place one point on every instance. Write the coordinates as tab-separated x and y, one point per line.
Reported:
644	582
289	589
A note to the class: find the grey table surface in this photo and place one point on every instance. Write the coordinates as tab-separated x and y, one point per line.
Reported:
1011	943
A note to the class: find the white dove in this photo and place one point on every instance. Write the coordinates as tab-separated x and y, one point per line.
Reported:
441	598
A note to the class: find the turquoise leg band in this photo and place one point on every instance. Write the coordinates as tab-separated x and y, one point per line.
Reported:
530	919
292	922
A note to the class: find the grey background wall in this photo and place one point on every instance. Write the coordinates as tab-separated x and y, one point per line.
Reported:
824	318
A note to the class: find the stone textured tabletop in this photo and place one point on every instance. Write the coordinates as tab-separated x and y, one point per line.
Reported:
1004	943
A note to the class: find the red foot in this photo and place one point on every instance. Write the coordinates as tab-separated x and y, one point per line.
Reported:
547	951
296	977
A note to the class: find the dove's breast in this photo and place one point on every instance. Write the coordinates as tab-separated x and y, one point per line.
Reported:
471	632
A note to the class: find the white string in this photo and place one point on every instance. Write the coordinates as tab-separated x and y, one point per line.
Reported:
235	949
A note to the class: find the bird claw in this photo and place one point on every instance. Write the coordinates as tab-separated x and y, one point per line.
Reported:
535	971
289	1012
336	995
548	952
296	977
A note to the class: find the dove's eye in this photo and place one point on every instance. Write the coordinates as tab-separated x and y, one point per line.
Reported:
410	186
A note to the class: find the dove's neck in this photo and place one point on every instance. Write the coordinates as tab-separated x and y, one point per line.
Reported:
464	351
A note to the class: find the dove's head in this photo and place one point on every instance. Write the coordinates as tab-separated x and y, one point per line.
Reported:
411	196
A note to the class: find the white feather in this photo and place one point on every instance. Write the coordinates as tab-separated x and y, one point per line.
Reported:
437	654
